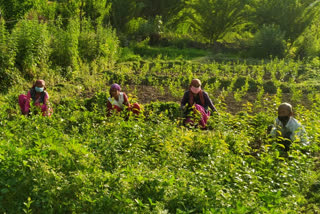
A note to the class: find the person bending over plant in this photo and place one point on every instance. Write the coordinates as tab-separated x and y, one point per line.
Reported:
39	97
287	127
118	101
195	103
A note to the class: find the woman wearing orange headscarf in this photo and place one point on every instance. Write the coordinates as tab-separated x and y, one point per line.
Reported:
197	101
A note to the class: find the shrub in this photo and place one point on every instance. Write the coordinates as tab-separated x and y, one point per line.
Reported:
270	87
88	42
7	56
310	45
65	46
108	44
32	45
268	41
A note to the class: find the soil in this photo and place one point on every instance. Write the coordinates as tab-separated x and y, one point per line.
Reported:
146	94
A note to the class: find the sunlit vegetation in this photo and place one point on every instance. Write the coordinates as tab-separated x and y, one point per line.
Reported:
79	160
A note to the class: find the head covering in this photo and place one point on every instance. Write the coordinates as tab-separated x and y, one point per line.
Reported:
43	93
114	86
41	81
195	82
38	82
191	96
287	106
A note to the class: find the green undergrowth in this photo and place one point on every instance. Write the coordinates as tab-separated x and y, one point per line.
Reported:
148	52
80	161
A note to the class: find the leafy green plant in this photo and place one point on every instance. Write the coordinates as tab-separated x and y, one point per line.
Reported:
214	18
65	47
32	46
7	58
269	41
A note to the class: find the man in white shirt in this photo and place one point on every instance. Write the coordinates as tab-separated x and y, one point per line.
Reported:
288	127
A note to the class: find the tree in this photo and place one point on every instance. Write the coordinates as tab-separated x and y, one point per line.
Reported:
168	9
122	11
15	9
95	11
214	18
293	16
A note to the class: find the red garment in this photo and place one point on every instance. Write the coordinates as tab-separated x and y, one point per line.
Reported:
204	116
125	102
135	107
24	102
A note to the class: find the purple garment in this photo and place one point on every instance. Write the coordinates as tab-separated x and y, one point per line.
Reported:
115	86
207	101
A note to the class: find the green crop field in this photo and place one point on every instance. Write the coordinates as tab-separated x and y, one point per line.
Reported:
250	55
81	161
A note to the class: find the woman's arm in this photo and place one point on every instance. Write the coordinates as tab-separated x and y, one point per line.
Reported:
46	98
109	105
209	102
125	100
185	99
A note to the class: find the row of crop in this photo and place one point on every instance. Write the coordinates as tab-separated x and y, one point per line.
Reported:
282	70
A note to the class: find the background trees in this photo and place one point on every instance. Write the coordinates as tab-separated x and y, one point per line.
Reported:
40	34
214	18
292	16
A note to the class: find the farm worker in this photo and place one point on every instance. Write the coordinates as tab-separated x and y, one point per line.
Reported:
196	102
287	127
39	97
118	101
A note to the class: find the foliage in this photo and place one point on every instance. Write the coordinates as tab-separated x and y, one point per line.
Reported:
7	57
100	43
292	16
214	18
15	9
65	46
123	11
82	161
269	41
309	44
140	29
32	46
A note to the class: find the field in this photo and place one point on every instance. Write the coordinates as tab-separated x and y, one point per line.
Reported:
81	161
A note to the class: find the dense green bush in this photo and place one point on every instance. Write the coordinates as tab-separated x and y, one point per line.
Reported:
65	46
101	43
32	46
269	41
310	44
7	57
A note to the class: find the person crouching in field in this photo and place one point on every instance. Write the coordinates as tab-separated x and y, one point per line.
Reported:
288	128
40	98
196	102
118	101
